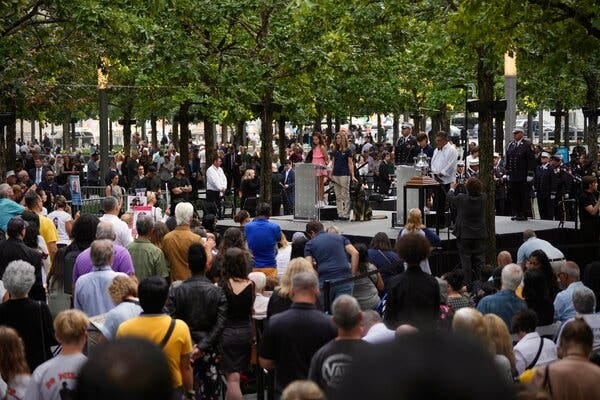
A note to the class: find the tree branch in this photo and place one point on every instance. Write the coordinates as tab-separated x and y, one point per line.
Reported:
586	20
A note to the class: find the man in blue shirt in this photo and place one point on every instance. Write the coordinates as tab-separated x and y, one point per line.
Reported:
569	280
330	251
262	236
505	303
8	207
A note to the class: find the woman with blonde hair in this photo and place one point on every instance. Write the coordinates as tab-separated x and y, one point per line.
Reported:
281	299
249	187
123	292
157	213
471	323
14	371
284	254
414	224
501	338
71	332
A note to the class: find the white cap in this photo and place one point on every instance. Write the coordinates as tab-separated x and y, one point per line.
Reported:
496	155
10	173
545	154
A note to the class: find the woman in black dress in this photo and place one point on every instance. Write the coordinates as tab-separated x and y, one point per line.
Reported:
249	188
238	334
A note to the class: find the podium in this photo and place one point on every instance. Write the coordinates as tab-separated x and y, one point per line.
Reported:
421	184
306	192
404	173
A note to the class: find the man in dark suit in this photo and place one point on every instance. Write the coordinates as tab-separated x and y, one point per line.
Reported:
38	173
541	182
470	231
289	184
406	147
13	249
519	159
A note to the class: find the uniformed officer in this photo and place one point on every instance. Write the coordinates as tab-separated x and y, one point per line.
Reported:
560	183
519	160
406	148
461	177
541	183
499	184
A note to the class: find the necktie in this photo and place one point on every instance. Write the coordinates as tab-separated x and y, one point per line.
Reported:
38	176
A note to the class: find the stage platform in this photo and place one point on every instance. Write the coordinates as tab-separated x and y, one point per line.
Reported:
445	257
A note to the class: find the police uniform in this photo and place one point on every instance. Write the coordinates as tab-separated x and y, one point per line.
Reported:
519	157
499	173
541	182
406	150
560	184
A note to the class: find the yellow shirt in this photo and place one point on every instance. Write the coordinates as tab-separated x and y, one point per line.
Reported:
175	245
48	231
154	328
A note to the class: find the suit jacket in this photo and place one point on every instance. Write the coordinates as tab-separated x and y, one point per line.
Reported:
291	180
519	160
470	215
14	249
32	174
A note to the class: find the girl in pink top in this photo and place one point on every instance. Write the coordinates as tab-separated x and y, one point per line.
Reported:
319	157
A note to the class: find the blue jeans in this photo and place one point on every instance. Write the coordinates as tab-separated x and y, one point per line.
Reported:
336	291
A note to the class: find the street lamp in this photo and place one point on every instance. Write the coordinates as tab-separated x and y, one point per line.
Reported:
510	88
103	106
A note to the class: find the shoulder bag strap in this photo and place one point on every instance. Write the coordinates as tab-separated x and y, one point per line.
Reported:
384	256
537	356
165	340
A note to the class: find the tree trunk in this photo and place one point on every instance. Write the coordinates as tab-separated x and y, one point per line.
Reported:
41	131
557	123
592	97
396	127
485	81
175	132
127	116
66	128
282	141
240	133
209	141
266	147
330	132
499	141
11	137
184	149
338	125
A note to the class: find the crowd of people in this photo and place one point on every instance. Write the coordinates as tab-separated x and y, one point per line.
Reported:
200	310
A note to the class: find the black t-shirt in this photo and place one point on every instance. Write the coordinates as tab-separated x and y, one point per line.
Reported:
331	362
291	338
176	182
587	199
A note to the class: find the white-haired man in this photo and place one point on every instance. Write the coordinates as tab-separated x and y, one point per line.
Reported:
177	243
569	280
505	303
91	293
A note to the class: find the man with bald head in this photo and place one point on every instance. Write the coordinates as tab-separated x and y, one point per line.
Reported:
91	293
121	261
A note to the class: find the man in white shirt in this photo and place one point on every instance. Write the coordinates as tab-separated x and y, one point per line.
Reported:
532	243
443	167
374	330
531	350
110	205
216	183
